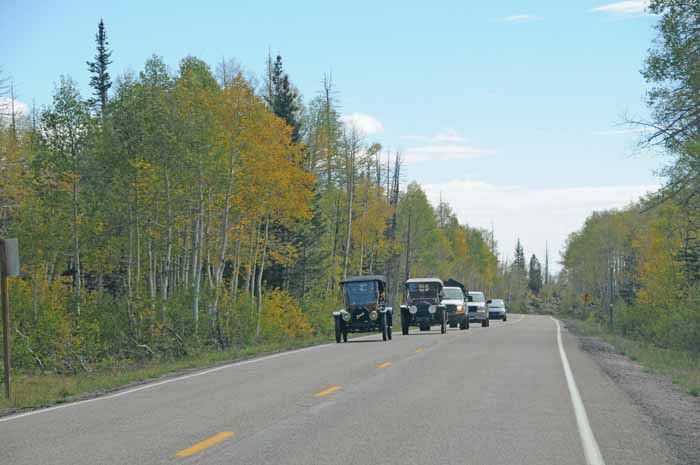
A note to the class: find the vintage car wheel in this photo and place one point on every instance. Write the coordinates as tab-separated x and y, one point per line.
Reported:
505	318
389	332
443	323
385	327
464	324
345	335
338	330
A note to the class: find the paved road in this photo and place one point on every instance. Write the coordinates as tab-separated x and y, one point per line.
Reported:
492	396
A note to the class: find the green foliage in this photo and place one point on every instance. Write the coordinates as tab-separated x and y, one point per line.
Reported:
534	276
632	261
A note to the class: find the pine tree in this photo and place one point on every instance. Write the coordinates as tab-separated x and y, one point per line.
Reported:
535	275
100	80
519	261
282	97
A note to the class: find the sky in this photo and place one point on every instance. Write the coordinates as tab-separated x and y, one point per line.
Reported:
513	113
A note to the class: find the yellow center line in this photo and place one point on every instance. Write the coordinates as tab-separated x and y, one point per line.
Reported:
327	391
384	365
420	349
200	446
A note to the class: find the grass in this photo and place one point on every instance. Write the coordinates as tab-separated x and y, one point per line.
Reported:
36	390
683	368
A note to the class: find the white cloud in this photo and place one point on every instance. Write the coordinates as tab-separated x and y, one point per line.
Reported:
363	122
443	153
21	108
449	135
626	8
521	18
535	215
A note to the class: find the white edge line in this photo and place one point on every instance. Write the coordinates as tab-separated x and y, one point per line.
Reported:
590	446
160	383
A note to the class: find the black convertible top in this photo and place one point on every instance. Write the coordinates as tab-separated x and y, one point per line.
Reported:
454	283
373	277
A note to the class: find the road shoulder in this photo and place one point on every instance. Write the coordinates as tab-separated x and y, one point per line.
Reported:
670	413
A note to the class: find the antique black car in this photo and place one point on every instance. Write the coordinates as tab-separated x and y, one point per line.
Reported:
423	306
365	310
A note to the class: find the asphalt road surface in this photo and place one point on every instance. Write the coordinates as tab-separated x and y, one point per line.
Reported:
497	395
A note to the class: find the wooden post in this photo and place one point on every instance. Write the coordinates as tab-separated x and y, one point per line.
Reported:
5	318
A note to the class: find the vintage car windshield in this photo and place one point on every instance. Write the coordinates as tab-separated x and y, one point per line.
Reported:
476	297
452	293
361	293
423	290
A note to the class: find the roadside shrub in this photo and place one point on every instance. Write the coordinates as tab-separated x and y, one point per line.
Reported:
282	318
318	306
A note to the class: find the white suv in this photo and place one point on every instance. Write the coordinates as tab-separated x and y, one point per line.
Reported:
477	309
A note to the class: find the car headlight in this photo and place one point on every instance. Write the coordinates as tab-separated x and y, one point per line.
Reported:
460	308
432	308
413	309
346	316
373	315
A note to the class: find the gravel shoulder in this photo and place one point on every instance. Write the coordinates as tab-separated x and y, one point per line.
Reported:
672	412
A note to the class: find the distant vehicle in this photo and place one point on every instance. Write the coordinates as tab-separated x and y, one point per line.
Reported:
497	309
453	300
423	306
477	311
365	310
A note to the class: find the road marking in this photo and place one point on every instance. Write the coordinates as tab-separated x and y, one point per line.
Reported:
384	365
590	446
161	383
420	349
327	391
200	446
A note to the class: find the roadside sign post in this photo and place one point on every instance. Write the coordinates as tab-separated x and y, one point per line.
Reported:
9	266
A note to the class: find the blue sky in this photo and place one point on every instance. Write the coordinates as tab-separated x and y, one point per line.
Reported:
511	112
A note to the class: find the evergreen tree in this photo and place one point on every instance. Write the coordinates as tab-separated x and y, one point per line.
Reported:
283	97
535	275
100	80
519	261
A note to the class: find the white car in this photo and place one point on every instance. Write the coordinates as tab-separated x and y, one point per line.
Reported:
477	309
453	300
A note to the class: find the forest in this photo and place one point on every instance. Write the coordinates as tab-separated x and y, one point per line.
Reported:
200	209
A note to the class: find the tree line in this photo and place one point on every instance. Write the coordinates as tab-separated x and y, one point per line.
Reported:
200	209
